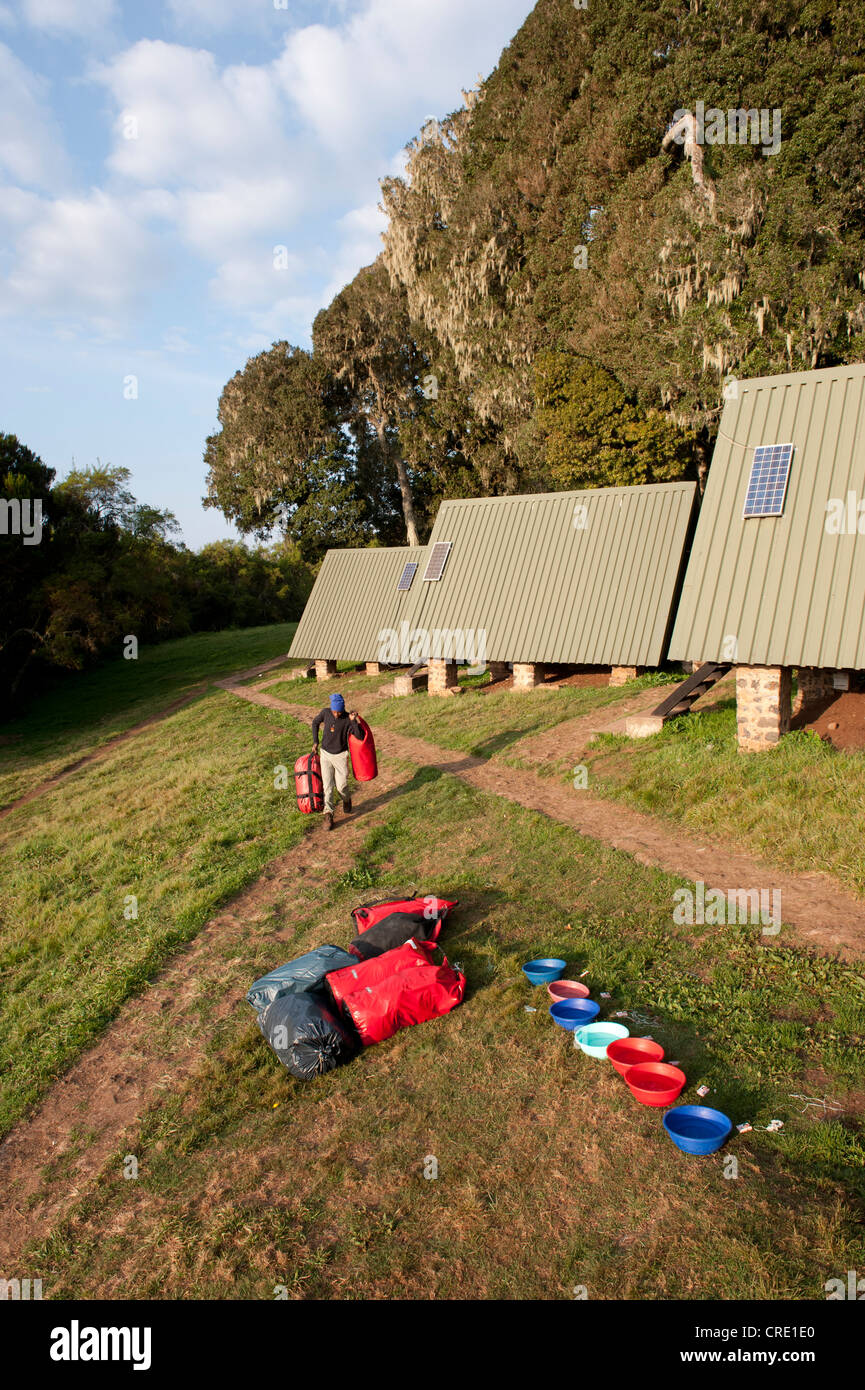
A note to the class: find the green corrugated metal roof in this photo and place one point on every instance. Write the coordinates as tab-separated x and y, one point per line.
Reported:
788	592
354	597
546	591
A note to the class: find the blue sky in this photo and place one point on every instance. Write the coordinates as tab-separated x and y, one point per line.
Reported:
152	155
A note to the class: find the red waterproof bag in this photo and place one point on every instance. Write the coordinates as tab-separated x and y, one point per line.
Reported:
350	978
308	784
362	753
430	906
413	996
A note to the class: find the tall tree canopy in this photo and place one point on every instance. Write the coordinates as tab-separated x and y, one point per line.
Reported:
578	264
365	341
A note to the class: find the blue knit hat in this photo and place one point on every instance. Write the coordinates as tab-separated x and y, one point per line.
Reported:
337	704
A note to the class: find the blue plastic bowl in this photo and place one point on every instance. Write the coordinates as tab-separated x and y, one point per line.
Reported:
543	972
697	1129
573	1013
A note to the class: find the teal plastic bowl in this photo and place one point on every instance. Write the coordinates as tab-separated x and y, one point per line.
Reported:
595	1038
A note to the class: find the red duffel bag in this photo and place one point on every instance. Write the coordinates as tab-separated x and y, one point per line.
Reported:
413	996
436	909
350	978
308	784
362	753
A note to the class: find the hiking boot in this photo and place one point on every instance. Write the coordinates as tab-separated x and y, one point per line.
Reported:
328	821
346	805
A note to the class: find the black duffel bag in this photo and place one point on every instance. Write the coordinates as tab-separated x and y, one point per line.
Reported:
394	930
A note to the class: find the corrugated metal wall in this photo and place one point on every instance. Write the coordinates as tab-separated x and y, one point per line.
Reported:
353	599
545	590
789	593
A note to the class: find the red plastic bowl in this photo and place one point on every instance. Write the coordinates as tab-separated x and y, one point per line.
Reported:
630	1052
655	1083
567	989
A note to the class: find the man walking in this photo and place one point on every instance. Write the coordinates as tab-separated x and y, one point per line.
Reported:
334	753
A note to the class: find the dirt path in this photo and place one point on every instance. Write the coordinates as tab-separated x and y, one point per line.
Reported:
157	1039
815	911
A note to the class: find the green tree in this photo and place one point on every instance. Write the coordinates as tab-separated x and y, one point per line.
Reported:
595	436
364	340
102	495
283	459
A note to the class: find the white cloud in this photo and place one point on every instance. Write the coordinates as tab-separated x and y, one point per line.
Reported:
204	14
215	220
88	257
251	280
31	145
191	122
210	148
18	207
69	16
352	81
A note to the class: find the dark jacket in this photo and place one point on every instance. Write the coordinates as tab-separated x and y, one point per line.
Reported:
337	728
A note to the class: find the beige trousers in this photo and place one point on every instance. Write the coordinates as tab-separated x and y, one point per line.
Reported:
334	770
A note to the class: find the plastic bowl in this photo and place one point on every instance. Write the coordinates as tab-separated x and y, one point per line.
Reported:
567	989
629	1052
655	1083
543	972
573	1013
595	1038
697	1129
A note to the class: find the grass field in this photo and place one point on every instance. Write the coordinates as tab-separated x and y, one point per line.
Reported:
180	819
550	1177
85	711
799	805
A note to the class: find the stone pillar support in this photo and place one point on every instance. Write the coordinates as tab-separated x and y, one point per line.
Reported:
443	678
527	675
762	706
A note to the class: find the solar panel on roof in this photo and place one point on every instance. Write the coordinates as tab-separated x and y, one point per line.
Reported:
437	561
408	573
767	486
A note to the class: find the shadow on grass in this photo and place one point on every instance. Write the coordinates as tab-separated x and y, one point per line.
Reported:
491	746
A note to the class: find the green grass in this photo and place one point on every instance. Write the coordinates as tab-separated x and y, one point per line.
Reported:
182	817
85	711
317	693
492	725
550	1176
798	805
